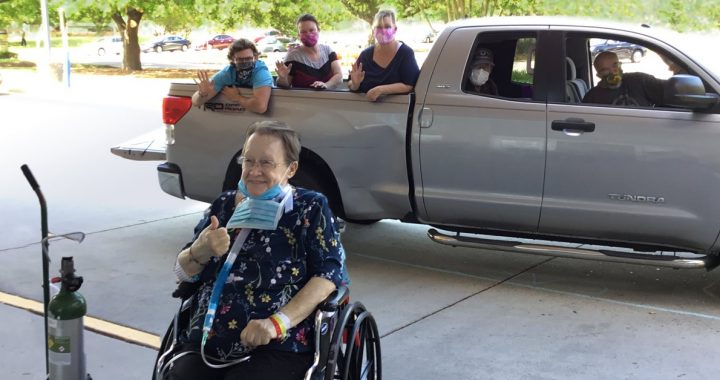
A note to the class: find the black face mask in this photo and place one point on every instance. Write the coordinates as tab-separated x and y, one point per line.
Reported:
243	66
244	69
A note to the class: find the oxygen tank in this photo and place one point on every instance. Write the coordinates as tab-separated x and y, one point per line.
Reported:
65	327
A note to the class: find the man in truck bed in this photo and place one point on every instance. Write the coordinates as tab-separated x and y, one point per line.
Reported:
244	70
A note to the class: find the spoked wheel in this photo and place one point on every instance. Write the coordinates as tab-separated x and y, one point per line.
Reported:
356	345
164	345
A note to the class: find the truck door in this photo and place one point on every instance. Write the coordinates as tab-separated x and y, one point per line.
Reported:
631	172
482	155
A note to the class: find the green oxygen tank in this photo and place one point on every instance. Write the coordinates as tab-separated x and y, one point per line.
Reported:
65	327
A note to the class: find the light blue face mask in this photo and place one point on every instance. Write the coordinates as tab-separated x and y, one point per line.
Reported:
262	212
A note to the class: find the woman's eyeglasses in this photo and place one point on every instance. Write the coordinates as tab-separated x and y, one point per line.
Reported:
249	163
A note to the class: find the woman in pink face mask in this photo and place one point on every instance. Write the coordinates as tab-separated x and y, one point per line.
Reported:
388	66
311	65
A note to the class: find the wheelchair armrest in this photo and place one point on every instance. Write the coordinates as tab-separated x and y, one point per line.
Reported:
338	297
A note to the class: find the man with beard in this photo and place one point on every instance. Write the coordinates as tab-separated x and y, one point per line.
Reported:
244	71
616	88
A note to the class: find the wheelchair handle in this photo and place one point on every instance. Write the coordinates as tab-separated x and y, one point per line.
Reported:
338	297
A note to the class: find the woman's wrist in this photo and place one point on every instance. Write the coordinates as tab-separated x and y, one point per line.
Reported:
281	323
194	259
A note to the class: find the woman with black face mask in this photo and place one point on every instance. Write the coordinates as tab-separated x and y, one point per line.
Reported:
311	65
244	71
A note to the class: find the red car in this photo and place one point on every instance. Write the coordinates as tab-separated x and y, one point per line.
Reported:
221	41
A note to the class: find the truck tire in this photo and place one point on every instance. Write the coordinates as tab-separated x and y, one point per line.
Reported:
637	55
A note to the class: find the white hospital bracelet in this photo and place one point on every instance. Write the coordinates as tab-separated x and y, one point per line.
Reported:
285	320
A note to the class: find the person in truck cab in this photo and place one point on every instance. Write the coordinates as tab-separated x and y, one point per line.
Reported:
617	88
244	71
482	66
312	65
388	66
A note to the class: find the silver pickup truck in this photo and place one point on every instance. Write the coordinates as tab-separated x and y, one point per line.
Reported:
605	182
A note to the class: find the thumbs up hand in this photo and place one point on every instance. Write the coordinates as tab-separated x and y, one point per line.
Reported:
212	241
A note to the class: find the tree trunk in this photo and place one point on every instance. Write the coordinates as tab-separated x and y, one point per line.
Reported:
4	44
129	32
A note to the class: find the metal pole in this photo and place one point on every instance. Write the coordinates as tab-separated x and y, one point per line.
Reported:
45	258
66	47
46	35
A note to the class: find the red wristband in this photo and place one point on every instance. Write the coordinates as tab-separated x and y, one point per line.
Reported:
278	329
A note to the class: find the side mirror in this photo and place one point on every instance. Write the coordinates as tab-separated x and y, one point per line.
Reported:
688	91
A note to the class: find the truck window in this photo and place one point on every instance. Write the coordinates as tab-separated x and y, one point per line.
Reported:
616	72
524	62
501	65
621	73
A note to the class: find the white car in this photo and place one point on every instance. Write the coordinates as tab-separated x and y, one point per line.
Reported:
108	45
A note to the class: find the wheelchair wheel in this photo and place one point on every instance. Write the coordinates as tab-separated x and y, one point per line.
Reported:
169	343
355	352
165	344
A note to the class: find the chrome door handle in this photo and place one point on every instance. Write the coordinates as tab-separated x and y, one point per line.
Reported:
573	126
425	118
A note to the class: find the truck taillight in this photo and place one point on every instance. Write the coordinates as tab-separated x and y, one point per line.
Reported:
174	108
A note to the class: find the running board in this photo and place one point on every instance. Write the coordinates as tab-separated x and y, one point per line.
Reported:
704	262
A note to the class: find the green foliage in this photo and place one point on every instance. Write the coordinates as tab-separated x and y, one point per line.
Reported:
363	9
174	16
521	76
8	55
22	11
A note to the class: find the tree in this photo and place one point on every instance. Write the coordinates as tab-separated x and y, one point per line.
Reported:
175	16
363	9
100	18
427	9
126	14
19	11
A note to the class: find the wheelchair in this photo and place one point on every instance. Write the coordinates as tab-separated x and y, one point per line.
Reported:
347	343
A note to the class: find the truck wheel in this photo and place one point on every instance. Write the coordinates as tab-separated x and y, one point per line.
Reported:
636	56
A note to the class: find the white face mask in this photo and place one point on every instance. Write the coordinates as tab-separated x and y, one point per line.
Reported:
478	77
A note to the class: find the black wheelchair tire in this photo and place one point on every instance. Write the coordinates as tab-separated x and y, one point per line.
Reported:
347	360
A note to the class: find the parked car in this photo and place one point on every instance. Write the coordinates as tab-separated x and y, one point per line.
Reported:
624	50
429	37
527	170
108	45
269	33
220	41
274	44
167	43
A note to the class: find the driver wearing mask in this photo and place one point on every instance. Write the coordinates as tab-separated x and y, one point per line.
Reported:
244	71
482	66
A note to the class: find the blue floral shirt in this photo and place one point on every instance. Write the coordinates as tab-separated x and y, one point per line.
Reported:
270	269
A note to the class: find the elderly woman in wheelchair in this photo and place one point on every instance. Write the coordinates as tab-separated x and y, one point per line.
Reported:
262	260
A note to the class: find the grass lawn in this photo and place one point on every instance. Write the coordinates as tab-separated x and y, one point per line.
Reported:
56	42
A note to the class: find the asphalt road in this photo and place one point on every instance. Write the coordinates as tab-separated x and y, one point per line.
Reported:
443	312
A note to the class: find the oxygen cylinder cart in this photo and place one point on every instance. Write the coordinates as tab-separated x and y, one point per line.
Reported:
64	344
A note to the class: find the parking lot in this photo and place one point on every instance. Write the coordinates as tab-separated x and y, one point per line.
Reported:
443	312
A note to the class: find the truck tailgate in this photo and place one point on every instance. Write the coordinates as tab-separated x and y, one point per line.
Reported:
147	147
